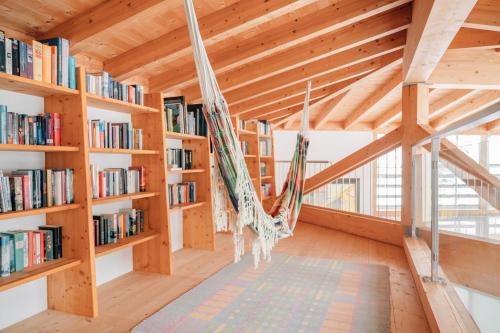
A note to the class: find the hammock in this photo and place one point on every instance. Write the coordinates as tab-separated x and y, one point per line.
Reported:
233	173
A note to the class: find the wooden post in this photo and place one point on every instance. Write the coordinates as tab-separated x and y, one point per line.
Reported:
74	290
415	104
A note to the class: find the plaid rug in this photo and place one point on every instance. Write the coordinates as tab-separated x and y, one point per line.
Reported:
289	294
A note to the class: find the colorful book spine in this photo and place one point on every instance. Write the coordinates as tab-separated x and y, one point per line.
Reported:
117	181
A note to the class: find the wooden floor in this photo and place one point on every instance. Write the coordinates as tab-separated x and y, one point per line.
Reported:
127	300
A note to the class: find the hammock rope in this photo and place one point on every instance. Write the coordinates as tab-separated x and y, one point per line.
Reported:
233	172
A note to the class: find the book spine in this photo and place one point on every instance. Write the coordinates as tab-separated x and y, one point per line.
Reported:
3	62
29	61
4	255
46	63
72	72
37	61
8	56
16	70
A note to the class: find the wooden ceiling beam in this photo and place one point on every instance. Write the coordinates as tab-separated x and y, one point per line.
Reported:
372	101
331	126
493	126
372	50
449	101
315	50
97	19
478	102
320	73
475	38
467	69
484	16
299	98
325	111
434	25
232	19
388	116
299	30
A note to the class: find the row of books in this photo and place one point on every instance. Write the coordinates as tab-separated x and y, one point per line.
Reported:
102	84
265	147
181	193
266	189
109	228
45	60
242	124
103	134
264	127
22	249
17	128
179	159
182	118
30	189
263	169
116	181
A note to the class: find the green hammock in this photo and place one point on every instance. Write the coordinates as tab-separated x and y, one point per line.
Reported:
267	228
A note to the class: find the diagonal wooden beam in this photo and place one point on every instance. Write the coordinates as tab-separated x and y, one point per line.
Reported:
449	101
325	111
232	19
484	16
494	125
299	98
475	38
388	116
317	49
467	69
321	74
362	156
479	101
295	30
371	101
105	15
322	81
434	25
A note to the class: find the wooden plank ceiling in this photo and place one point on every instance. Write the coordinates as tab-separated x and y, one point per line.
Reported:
357	53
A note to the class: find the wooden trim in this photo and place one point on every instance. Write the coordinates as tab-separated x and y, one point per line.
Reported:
123	197
36	148
123	151
375	228
27	86
123	243
37	211
475	38
112	104
362	156
468	260
443	308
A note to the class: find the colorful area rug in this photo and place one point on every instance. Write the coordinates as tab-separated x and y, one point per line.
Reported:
289	294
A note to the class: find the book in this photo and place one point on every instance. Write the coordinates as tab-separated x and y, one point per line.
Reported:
4	255
179	159
58	43
103	134
102	84
72	72
182	118
57	240
181	193
16	65
23	59
2	52
53	64
111	227
17	250
46	63
37	61
29	61
8	55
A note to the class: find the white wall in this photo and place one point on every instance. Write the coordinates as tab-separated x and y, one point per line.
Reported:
24	301
323	145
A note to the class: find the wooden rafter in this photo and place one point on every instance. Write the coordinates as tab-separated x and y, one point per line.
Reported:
448	101
222	22
338	15
254	102
99	18
316	50
478	102
485	16
320	73
467	69
394	82
324	112
319	93
434	25
475	38
388	116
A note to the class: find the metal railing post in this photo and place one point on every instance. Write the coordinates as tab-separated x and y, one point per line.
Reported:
435	146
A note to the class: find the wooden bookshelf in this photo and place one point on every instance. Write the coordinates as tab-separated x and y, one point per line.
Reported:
187	171
124	197
182	136
197	218
251	134
123	151
27	86
116	105
37	148
36	272
38	211
123	243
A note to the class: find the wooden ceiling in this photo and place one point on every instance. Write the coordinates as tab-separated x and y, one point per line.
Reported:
357	53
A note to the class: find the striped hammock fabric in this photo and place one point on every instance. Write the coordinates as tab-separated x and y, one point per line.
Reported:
267	228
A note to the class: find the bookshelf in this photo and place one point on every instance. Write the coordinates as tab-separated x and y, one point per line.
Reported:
71	280
254	157
198	228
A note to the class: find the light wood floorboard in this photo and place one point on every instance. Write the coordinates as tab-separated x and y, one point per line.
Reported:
131	298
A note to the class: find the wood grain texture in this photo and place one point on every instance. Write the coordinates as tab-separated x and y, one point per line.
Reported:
135	296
